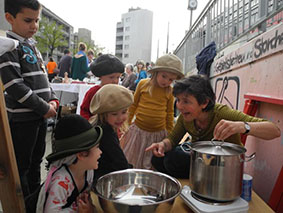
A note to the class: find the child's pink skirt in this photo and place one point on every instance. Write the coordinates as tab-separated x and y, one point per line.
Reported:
135	141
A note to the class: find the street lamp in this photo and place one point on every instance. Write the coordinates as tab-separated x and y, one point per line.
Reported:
192	6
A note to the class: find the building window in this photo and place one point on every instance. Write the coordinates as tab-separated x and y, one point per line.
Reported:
127	46
126	55
127	37
127	29
128	19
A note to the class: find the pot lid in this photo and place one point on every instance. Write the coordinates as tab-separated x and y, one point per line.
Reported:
217	148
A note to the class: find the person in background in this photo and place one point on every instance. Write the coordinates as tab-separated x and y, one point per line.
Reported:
90	59
108	68
141	71
110	109
90	55
29	98
153	108
65	64
72	164
129	80
122	77
51	65
99	54
148	66
204	120
79	67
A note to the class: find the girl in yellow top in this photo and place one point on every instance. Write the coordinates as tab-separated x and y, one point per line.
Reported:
153	110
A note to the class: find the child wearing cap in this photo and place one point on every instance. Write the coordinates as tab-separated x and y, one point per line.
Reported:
74	157
154	111
110	105
109	69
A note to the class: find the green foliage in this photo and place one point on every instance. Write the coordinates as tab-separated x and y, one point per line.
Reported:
50	36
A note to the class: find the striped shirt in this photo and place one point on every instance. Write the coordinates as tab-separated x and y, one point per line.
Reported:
27	90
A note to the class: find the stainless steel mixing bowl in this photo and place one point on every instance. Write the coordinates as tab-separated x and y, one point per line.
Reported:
136	190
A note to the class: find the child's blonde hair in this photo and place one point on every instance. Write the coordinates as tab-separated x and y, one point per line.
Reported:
153	83
101	119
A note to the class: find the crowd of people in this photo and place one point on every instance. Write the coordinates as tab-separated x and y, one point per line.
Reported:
78	68
139	113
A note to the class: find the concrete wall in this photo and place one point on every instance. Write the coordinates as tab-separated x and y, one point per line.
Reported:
256	68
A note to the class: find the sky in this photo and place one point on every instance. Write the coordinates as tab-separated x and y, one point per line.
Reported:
101	17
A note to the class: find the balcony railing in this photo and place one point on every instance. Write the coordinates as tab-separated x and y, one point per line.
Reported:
224	22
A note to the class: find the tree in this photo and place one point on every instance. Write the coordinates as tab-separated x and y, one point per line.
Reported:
50	36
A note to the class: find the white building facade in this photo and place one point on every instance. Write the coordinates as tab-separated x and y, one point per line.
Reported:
134	36
84	35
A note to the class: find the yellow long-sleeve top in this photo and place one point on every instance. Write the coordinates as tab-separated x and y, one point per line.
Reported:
153	113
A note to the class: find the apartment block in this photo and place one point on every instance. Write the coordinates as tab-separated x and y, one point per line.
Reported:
67	29
134	36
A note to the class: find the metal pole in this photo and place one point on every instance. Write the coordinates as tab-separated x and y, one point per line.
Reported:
167	39
157	49
191	19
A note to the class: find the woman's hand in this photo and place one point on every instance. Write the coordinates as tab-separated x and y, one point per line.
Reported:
159	148
265	130
224	129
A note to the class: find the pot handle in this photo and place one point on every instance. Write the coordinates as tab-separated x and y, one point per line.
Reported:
186	147
212	141
250	157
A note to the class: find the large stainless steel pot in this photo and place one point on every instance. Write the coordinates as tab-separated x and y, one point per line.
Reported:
136	190
216	169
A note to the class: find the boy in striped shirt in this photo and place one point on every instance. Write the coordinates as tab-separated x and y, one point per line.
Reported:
28	96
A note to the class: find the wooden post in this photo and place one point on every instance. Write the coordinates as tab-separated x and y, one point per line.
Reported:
11	195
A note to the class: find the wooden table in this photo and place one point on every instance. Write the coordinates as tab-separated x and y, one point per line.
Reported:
256	205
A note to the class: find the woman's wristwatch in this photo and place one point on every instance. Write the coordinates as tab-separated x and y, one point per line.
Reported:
247	127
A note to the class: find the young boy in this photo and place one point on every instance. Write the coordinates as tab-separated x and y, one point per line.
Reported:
108	68
28	96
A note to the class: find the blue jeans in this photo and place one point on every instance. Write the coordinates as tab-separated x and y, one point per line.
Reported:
29	145
175	163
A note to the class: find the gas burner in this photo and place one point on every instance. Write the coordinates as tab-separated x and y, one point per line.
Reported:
200	205
209	201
